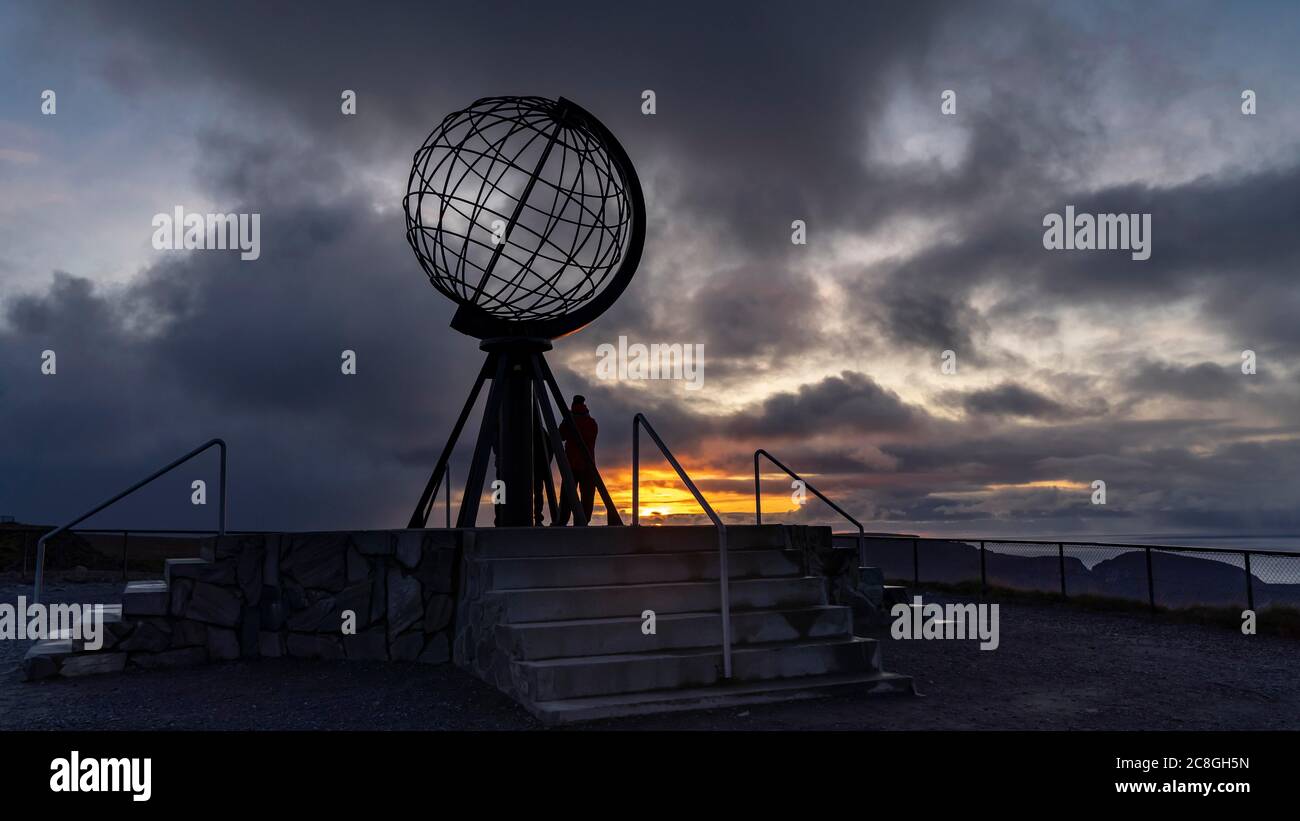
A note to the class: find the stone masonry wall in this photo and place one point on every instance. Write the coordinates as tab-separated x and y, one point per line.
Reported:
277	595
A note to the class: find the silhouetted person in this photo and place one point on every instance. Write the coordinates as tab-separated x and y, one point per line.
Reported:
584	472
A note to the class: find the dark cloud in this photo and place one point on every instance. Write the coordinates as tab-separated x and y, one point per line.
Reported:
850	403
766	113
1009	399
1204	380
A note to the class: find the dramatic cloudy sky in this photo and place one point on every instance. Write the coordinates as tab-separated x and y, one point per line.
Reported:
924	235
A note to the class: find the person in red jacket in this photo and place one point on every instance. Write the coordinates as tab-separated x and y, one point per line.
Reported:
584	471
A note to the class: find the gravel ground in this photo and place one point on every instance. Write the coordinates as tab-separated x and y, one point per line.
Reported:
1056	668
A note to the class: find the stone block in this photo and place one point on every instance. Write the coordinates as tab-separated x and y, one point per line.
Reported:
183	657
309	619
92	664
249	573
120	629
147	638
108	639
37	666
181	590
373	543
358	566
405	603
378	594
410	546
271	610
223	645
295	598
221	546
437	569
407	647
317	560
438	612
145	599
271	561
355	598
186	633
214	605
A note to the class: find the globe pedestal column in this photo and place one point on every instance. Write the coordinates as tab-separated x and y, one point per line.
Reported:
518	419
516	436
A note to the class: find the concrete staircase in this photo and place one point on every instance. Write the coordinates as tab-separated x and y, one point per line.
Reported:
156	645
555	618
558	618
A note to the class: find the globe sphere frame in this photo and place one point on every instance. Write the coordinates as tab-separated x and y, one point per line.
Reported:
451	249
519	433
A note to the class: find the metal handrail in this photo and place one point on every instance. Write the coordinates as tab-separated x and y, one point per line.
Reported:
639	421
221	510
758	502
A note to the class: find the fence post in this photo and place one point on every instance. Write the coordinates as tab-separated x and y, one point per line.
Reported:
446	475
125	537
1250	585
916	565
1151	582
1060	553
984	576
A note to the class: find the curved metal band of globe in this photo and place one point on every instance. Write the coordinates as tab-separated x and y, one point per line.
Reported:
472	318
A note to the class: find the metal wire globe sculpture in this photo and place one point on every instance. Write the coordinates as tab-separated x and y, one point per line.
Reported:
527	213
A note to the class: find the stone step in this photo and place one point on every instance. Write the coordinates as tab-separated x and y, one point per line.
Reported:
145	598
565	678
673	631
43	658
638	568
62	656
509	542
199	570
112	615
591	708
609	601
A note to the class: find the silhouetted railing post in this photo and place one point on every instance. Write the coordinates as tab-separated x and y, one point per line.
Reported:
1060	553
636	472
1151	581
446	475
984	576
916	565
1250	586
125	536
